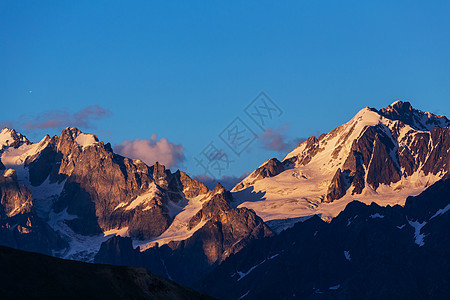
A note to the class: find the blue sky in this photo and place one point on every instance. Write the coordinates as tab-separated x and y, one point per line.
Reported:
184	70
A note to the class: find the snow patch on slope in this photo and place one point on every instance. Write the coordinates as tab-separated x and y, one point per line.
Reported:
145	198
81	247
243	274
441	211
419	237
85	140
44	195
178	230
347	255
376	216
286	197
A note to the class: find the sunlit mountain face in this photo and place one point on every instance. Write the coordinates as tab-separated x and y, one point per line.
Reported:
369	188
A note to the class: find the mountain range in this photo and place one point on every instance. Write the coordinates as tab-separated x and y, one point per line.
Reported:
346	213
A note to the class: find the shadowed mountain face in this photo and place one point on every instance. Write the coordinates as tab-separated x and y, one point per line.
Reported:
25	275
225	231
20	227
366	252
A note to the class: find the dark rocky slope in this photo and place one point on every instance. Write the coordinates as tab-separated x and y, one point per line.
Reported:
25	275
225	231
367	252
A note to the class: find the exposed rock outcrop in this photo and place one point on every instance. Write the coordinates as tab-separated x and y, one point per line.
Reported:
20	227
225	231
270	168
119	251
219	202
417	119
337	187
14	198
311	147
99	185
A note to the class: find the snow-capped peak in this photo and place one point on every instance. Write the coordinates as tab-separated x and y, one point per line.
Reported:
378	155
417	119
83	140
10	137
397	102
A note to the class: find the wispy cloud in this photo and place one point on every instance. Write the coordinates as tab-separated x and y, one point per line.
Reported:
227	181
48	119
6	124
59	119
276	139
152	150
84	117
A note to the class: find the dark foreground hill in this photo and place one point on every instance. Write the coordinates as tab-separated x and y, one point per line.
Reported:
25	275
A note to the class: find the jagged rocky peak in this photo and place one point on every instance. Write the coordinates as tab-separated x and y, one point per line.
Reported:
417	119
218	189
11	138
219	202
159	171
269	168
107	191
385	155
15	198
272	167
394	143
73	136
10	173
218	232
337	187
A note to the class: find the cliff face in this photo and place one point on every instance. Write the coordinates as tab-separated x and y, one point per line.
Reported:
224	231
20	227
99	185
384	154
79	186
379	156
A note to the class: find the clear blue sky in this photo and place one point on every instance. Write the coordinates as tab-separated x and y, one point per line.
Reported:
185	69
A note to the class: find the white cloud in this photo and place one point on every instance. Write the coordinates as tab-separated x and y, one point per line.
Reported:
152	150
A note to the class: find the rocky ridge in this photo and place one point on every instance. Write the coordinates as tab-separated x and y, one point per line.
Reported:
79	183
226	231
392	151
367	251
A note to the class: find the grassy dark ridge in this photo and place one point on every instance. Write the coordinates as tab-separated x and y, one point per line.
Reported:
25	275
